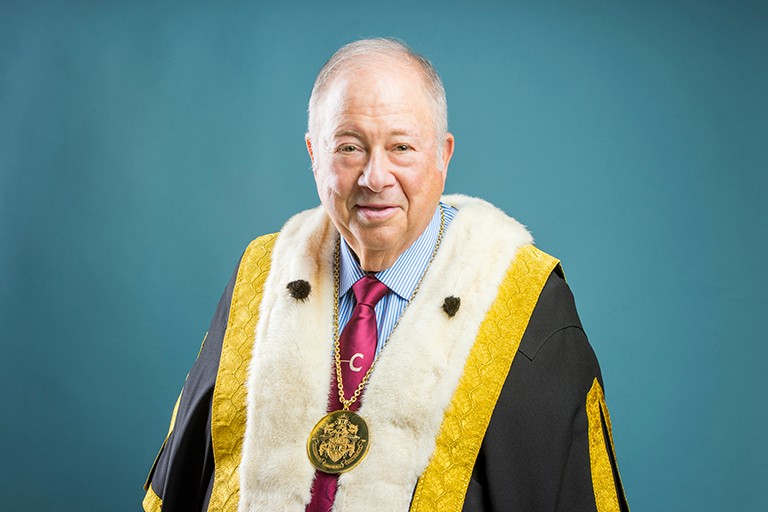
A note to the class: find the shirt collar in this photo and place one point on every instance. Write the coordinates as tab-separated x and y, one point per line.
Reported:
403	276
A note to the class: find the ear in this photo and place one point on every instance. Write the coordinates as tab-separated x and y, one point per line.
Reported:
448	144
308	142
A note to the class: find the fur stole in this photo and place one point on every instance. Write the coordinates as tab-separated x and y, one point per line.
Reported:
414	378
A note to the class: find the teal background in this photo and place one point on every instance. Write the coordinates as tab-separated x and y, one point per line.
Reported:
143	144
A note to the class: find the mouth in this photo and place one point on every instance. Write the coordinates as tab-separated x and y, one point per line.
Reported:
376	212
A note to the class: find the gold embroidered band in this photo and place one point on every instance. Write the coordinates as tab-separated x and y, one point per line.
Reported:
229	408
603	483
151	502
443	485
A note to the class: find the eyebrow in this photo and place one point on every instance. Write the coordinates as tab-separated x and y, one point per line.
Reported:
402	131
354	133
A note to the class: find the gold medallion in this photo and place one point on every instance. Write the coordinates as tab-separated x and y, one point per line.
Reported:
338	442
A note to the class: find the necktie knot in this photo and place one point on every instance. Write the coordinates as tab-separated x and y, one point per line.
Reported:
368	290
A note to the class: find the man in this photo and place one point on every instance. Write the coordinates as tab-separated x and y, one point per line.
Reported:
390	350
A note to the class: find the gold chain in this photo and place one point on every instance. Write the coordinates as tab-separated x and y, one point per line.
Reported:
336	346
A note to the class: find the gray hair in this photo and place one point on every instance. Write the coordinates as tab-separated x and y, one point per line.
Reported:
381	47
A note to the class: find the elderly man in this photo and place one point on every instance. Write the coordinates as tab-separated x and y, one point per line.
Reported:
390	350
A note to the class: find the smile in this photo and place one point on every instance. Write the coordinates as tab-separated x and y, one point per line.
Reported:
376	212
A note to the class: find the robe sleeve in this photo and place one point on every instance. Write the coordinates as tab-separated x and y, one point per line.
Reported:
181	476
548	445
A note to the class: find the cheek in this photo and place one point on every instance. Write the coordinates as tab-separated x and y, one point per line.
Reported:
326	179
344	178
424	187
334	187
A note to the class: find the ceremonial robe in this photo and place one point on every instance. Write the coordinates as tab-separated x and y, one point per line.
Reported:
546	446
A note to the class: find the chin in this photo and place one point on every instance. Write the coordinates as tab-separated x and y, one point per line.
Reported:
378	245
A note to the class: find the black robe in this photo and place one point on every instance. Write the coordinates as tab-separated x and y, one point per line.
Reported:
535	454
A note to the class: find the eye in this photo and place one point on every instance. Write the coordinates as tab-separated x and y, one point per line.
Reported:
402	147
347	148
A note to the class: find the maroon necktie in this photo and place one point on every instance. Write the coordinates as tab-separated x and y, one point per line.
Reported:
357	348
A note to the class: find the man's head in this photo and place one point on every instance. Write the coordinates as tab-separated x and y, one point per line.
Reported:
379	146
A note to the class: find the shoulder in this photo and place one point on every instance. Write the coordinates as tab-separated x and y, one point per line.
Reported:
555	346
555	310
253	259
259	249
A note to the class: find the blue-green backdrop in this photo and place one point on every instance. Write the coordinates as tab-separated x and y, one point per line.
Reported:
143	144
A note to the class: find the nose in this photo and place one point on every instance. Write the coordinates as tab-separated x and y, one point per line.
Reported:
377	173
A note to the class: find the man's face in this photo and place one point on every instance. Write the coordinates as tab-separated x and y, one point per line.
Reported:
375	159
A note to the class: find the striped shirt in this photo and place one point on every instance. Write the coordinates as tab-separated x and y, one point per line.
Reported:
401	278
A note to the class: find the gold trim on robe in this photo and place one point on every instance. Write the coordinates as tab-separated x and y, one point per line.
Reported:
600	460
151	501
443	486
228	409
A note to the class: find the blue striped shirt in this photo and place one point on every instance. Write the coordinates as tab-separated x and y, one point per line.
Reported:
401	278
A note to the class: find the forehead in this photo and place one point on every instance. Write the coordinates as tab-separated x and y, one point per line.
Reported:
377	91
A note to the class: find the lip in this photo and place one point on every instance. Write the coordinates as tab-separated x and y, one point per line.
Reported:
376	212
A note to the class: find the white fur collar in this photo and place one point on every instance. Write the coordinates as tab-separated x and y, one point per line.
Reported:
414	378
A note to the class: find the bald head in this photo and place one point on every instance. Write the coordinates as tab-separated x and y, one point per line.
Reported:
369	53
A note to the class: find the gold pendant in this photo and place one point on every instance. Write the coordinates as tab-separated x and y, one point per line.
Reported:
338	442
